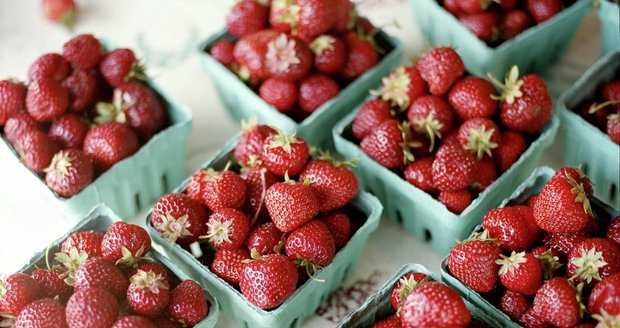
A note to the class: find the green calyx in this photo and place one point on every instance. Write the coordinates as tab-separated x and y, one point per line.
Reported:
325	155
511	88
311	268
114	111
395	88
68	19
137	73
431	127
606	320
172	228
479	141
407	285
284	141
549	264
130	259
588	265
70	263
60	164
578	190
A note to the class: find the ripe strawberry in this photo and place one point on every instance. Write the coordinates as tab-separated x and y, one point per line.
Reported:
473	6
520	272
52	283
222	51
371	114
148	266
250	52
44	313
179	218
147	294
133	321
257	179
227	228
49	66
125	244
613	127
563	205
514	22
36	150
246	17
281	94
402	86
610	92
479	135
59	11
525	103
228	263
440	68
361	56
265	239
419	173
434	305
455	200
605	296
188	304
17	291
284	154
84	241
510	229
313	243
594	112
92	308
389	144
347	16
330	54
453	168
69	173
549	260
471	97
485	175
12	99
432	116
452	6
267	282
507	5
334	183
250	143
562	243
530	319
315	17
405	285
165	322
291	204
225	189
18	124
46	100
392	321
83	88
613	231
109	143
510	149
98	272
120	66
288	58
542	10
513	304
557	303
473	263
593	259
340	226
82	51
485	25
68	131
315	90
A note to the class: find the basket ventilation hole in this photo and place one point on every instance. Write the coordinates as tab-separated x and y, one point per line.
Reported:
164	182
612	191
246	325
294	323
137	197
399	217
427	235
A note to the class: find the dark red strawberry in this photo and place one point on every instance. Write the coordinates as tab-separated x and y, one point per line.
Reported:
593	259
44	313
334	183
557	303
250	143
312	242
288	58
513	304
188	304
69	173
12	99
510	149
69	130
291	204
84	241
479	135
610	92
49	66
549	260
91	307
401	87
257	179
613	231
542	10
347	16
420	174
453	168
507	5
371	114
120	66
485	25
284	154
228	263
471	97
390	144
455	200
283	15
485	175
36	150
133	321
165	322
520	272
594	112
98	272
605	297
83	88
148	266
179	218
440	68
222	51
340	226
246	17
452	6
510	229
267	282
17	291
473	6
125	244
265	239
361	56
52	282
227	228
281	94
250	52
60	11
46	100
109	143
18	124
434	305
562	243
223	189
432	116
147	293
404	287
83	51
316	17
315	90
392	321
514	22
473	263
530	319
330	54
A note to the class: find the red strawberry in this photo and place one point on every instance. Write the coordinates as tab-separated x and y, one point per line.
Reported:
222	51
340	226
434	305
479	135
18	124
84	241
440	68
316	17
147	293
473	263
188	304
346	16
371	114
283	15
82	51
250	52
361	56
83	88
473	6
420	174
432	116
542	10
330	54
17	291
98	272
471	97
120	66
59	11
520	272
557	303
593	259
250	143
392	321
247	16
455	200
594	112
452	6
605	297
562	243
265	239
513	304
485	175
133	321
52	283
549	260
610	92
281	94
225	189
485	25
267	282
510	149
228	263
291	204
405	285
36	150
530	319
92	308
514	22
68	131
390	144
613	231
109	143
402	86
227	228
453	168
510	228
44	313
334	183
125	244
12	99
288	58
613	127
179	218
165	322
506	5
69	173
258	179
312	242
46	100
284	154
49	66
315	90
148	266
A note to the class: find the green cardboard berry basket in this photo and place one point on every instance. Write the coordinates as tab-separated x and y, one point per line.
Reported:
609	14
378	305
533	50
585	144
419	213
307	298
99	219
132	183
529	187
241	102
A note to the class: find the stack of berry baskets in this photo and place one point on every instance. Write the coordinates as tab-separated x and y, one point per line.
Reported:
84	278
439	150
591	127
303	238
609	14
89	127
492	35
304	79
390	306
550	255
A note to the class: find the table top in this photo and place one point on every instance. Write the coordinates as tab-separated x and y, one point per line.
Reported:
166	34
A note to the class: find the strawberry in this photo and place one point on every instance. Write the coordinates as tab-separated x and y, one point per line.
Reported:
473	6
473	263
133	321
179	218
485	175
549	260
18	124
148	266
593	259
268	281
69	130
453	168
283	15
91	308
250	52
225	189
563	205
507	5
36	150
520	272
222	51
361	56
265	239
431	115
371	114
610	92
434	305
46	100
514	304
530	319
340	226
257	179
605	297
485	25
525	102
471	97
284	154
479	135
389	144
228	263
246	17
392	321
613	127
509	150
419	173
44	313
84	241
49	66
147	294
83	88
316	17
330	54
291	204
109	143
188	304
227	228
17	291
557	303
52	283
440	68
12	99
98	272
542	10
594	112
510	229
165	322
334	183
250	142
315	90
120	66
59	11
288	58
281	94
562	243
82	51
514	22
312	244
613	231
125	244
347	16
455	200
405	285
452	6
69	173
402	86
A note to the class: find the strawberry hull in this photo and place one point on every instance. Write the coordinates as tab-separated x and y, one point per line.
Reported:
585	144
529	187
99	219
241	102
528	50
609	14
307	298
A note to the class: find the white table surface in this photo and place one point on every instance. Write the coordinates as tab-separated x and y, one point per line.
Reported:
165	33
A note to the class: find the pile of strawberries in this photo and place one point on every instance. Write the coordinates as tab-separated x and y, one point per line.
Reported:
102	280
549	261
495	21
447	133
257	228
604	110
297	54
82	112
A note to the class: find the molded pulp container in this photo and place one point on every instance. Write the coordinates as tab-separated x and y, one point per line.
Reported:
419	213
241	102
535	49
585	144
378	305
307	298
531	186
609	14
99	219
